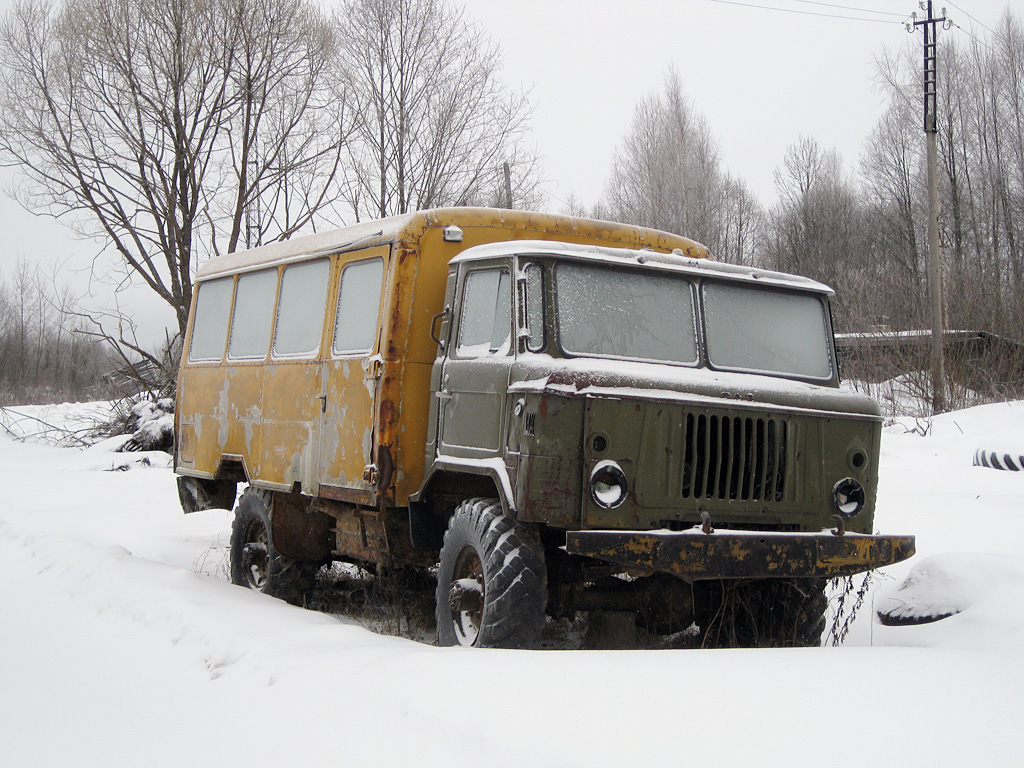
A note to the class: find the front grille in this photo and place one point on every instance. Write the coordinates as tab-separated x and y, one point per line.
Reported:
734	457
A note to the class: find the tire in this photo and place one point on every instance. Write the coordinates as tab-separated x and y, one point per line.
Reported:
491	581
254	561
769	613
196	494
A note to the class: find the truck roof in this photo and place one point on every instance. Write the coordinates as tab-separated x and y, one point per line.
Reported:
675	262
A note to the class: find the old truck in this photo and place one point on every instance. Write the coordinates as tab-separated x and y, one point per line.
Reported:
557	414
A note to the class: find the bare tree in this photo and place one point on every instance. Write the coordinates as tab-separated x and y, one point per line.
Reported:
172	130
437	125
667	174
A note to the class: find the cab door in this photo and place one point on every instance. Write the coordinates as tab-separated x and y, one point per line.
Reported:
352	372
475	373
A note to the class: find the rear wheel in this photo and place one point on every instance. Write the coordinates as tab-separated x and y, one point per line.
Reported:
196	494
254	561
491	581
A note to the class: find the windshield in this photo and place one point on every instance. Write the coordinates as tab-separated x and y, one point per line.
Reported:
766	331
628	314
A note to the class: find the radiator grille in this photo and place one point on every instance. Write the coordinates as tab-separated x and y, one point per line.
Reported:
734	457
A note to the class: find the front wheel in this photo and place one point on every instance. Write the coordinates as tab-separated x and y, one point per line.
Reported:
491	581
255	563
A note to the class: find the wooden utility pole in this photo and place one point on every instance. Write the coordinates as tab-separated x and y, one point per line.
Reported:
934	249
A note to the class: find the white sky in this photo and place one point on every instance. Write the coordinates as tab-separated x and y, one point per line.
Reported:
761	77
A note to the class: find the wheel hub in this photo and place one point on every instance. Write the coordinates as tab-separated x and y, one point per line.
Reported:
255	558
466	596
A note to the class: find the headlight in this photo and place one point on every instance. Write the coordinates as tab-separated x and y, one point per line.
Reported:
608	484
848	497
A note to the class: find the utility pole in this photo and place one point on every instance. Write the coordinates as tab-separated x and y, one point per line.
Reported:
934	252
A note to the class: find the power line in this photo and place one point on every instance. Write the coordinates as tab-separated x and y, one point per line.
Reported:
974	37
802	13
852	8
972	18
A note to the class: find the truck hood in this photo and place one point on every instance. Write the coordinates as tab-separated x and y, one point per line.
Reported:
622	379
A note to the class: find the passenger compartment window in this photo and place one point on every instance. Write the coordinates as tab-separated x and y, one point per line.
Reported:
253	315
300	308
486	327
210	327
358	314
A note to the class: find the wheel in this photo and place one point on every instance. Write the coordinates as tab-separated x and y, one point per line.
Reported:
491	581
196	494
769	613
254	561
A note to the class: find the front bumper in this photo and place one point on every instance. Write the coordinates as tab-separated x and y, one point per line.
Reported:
694	555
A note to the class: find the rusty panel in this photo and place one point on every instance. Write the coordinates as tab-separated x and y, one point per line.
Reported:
222	405
289	449
347	432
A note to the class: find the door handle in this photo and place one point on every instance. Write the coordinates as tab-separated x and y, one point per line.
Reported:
323	402
442	394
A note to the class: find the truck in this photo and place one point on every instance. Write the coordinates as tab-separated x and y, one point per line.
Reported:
557	415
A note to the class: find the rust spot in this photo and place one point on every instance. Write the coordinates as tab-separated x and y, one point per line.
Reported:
387	413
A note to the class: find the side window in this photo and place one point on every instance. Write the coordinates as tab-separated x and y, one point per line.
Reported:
210	327
253	315
358	313
485	327
300	308
535	307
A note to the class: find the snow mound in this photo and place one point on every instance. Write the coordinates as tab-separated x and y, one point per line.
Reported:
944	585
153	424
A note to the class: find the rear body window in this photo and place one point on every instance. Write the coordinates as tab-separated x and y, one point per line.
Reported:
253	315
210	327
300	309
358	310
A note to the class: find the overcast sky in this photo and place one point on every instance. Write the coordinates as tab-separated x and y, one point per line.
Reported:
762	76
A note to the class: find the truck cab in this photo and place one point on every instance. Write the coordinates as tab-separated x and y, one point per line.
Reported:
654	414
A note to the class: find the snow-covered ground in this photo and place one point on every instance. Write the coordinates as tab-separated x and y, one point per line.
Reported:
123	644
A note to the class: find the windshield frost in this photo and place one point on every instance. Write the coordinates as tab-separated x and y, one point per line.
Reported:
629	314
754	329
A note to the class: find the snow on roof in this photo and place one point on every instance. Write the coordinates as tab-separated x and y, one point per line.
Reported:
329	241
628	256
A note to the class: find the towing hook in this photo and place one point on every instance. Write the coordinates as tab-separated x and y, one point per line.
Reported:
840	526
705	520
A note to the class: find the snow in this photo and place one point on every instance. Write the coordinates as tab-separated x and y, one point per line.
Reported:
123	644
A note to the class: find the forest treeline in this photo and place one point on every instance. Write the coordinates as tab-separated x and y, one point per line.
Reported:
48	348
861	229
175	130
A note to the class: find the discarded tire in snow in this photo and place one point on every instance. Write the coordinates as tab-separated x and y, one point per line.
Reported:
491	581
984	457
254	561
